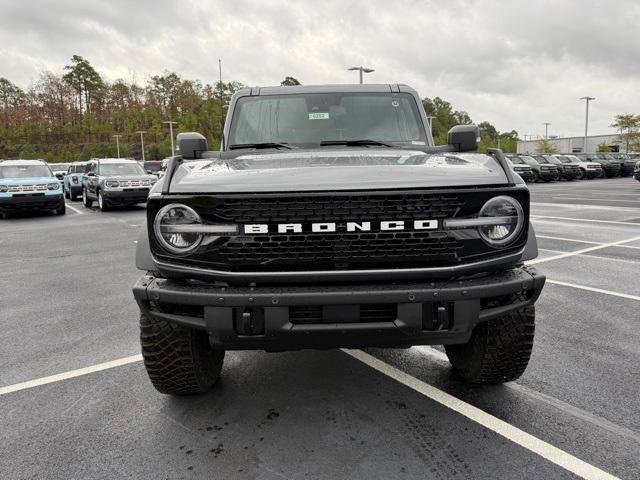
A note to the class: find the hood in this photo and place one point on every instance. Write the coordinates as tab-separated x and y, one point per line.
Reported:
28	180
352	169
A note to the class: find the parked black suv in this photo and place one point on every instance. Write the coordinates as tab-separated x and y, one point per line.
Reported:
329	219
115	182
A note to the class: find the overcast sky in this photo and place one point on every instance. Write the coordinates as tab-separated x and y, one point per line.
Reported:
514	63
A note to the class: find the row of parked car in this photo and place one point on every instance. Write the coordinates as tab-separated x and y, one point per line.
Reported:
35	185
574	166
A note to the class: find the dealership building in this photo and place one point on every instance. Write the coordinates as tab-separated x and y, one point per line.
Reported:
574	144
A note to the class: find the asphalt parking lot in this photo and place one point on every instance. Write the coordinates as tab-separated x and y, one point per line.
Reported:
65	290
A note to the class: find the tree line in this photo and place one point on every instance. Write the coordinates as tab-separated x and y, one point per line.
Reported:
74	115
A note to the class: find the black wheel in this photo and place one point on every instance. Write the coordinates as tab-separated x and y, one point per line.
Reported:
62	210
498	350
73	196
102	204
66	193
179	361
582	175
86	201
536	177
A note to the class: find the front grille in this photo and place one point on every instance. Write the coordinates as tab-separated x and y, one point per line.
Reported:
27	188
133	183
342	249
348	249
313	314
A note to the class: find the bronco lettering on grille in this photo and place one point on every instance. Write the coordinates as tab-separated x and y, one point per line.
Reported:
384	226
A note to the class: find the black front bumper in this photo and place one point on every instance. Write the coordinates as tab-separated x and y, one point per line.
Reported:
24	202
626	169
125	197
570	173
527	176
549	175
594	173
277	318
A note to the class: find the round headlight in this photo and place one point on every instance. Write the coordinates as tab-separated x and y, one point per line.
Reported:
112	184
173	227
4	188
505	219
53	186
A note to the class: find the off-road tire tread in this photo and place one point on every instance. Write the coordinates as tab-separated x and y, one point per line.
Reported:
179	360
498	351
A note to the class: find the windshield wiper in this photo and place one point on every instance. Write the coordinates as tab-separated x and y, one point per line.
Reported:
238	146
355	143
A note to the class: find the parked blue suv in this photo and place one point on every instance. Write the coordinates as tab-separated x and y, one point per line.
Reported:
29	185
73	180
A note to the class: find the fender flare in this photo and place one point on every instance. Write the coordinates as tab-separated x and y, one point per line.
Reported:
531	248
144	259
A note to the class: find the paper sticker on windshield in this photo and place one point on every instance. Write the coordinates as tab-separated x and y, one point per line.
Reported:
319	116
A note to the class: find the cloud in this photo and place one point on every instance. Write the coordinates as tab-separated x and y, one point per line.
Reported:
516	64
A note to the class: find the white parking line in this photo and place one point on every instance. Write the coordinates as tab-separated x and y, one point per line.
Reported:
613	222
583	250
565	407
564	239
79	212
70	374
506	430
594	289
568	239
597	199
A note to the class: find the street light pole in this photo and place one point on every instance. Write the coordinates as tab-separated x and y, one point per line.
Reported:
546	130
118	144
362	70
142	142
171	124
586	120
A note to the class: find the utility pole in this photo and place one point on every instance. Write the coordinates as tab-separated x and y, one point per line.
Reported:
142	142
361	70
221	104
546	130
117	137
171	124
586	120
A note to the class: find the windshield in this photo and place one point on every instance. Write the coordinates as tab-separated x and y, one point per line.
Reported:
553	160
24	171
58	167
529	159
153	167
540	159
80	168
309	119
121	169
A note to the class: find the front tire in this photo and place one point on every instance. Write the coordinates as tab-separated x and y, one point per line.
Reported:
86	201
62	210
179	360
498	350
102	205
73	196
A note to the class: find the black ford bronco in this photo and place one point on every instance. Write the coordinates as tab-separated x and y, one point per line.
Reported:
329	219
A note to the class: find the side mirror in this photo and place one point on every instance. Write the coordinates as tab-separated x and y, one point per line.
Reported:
59	176
149	172
464	138
91	174
191	145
